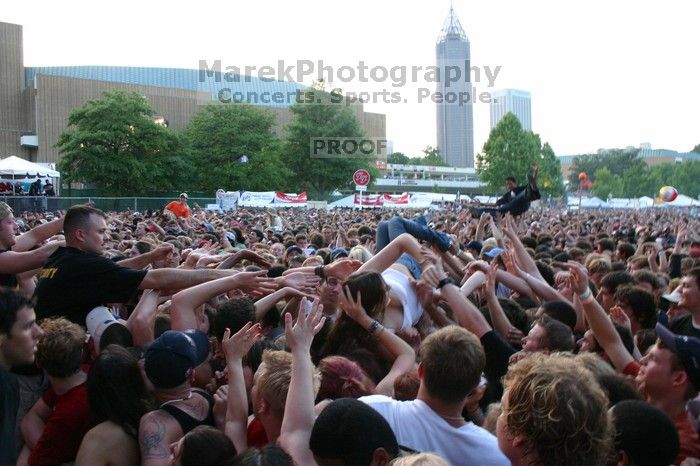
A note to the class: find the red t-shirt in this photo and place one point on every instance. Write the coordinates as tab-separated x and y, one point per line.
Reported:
256	434
690	443
632	369
179	209
65	428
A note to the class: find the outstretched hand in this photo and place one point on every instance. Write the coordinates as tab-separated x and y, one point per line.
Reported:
300	335
619	317
579	276
254	283
302	281
237	345
252	256
342	268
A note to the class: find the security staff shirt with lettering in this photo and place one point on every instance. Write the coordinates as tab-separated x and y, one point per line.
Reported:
73	282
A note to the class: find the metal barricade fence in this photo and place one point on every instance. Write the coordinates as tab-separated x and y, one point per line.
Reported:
51	203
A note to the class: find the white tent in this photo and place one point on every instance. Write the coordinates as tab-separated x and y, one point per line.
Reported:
681	201
15	166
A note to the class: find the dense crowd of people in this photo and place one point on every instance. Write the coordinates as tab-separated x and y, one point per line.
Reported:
349	337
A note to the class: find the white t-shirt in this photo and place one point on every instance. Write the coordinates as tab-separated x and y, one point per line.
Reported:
418	427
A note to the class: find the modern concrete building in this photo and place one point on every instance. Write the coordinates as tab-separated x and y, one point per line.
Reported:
427	178
35	101
514	101
455	118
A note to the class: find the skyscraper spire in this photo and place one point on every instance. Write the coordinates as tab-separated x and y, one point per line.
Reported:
452	28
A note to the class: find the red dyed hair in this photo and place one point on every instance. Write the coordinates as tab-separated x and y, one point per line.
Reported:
342	378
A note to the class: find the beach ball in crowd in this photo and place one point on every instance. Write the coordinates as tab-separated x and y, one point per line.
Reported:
582	176
668	193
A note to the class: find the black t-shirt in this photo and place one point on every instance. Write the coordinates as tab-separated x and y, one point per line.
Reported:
684	326
72	282
9	404
498	352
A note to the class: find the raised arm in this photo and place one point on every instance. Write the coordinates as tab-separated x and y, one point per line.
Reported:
598	320
498	318
12	262
466	313
235	347
404	243
404	358
263	305
37	235
479	235
162	252
538	285
521	254
142	320
183	309
299	407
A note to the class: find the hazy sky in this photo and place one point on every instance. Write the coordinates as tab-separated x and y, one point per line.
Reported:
601	73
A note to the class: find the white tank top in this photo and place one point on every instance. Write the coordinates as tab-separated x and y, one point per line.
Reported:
402	289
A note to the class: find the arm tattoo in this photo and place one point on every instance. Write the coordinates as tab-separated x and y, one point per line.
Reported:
152	439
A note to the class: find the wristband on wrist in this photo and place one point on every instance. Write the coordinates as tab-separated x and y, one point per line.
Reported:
375	327
586	294
445	281
320	271
589	299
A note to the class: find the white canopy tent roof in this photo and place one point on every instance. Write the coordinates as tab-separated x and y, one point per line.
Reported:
681	201
15	166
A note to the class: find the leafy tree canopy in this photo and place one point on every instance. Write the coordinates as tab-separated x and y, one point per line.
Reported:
615	160
512	151
319	114
114	144
233	147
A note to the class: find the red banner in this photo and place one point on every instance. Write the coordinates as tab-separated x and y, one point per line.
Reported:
290	198
399	199
373	200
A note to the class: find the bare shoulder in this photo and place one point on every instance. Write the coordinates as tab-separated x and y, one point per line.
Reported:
107	443
157	430
106	432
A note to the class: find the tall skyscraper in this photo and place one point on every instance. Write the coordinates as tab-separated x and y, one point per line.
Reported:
455	119
514	101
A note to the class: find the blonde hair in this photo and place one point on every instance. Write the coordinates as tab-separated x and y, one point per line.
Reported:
420	459
360	253
275	379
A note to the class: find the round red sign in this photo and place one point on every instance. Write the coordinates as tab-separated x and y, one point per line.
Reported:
361	177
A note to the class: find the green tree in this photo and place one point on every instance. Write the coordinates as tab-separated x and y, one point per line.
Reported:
319	114
114	144
431	157
398	158
219	137
685	178
638	181
606	184
697	149
550	179
616	160
512	151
